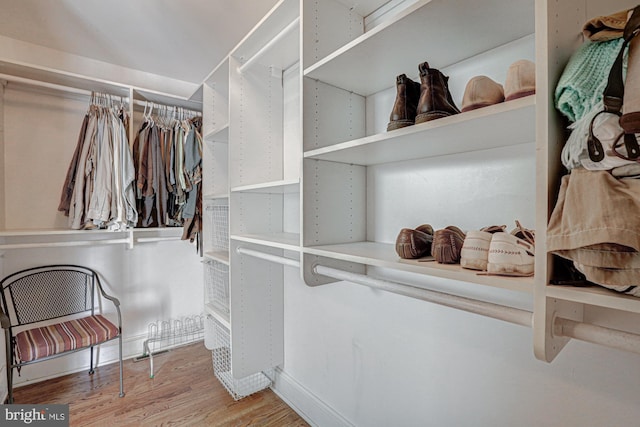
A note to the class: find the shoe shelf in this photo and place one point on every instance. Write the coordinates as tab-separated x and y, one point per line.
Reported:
427	27
383	255
504	124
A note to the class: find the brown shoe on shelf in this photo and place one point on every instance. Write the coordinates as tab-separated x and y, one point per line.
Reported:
435	98
480	92
521	80
414	243
447	245
406	103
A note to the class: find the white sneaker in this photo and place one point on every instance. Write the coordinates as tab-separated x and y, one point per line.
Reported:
512	254
475	250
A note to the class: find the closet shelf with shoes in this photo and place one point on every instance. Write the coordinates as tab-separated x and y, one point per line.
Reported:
383	255
504	124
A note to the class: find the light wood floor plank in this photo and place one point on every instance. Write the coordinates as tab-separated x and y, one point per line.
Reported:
184	392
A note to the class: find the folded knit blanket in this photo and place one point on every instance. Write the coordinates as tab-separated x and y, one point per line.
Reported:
584	78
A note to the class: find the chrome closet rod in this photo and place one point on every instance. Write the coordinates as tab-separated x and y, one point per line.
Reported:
78	91
269	257
496	311
561	327
597	334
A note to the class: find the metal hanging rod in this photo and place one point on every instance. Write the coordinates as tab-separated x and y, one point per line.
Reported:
496	311
561	327
269	257
597	334
77	91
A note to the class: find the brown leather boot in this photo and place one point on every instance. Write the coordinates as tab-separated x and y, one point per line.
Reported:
435	98
404	107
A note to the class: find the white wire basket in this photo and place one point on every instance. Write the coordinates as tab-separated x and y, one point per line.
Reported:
219	220
216	278
221	354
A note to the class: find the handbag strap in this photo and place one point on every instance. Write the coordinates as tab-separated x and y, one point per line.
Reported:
614	92
613	95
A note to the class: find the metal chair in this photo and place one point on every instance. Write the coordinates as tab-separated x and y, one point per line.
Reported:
32	298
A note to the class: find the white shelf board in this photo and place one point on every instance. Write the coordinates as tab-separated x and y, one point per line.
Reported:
384	255
595	296
275	40
220	134
371	62
274	187
57	232
507	123
287	241
171	100
217	255
220	317
215	196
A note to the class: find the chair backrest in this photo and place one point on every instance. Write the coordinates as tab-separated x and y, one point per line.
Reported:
48	292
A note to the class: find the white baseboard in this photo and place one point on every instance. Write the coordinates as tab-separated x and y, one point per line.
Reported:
313	410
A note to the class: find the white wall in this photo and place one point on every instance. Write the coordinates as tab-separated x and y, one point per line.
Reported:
380	359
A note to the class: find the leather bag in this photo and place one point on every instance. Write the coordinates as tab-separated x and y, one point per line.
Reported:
608	144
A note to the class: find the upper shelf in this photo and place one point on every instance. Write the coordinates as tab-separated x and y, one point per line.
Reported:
442	32
507	123
275	40
67	81
384	255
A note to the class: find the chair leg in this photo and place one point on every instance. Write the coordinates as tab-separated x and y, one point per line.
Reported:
9	365
9	383
120	356
91	371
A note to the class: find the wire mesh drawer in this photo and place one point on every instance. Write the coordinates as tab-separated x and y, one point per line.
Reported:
219	220
216	282
221	354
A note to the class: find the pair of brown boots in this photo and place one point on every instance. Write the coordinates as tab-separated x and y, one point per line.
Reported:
421	102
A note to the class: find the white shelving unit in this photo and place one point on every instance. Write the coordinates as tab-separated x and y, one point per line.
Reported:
296	129
251	101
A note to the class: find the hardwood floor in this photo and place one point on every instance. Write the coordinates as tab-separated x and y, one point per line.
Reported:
184	392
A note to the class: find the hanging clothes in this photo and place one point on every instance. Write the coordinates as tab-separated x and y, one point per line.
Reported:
98	190
168	161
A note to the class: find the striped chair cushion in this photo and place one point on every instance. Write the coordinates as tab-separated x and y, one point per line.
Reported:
46	341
